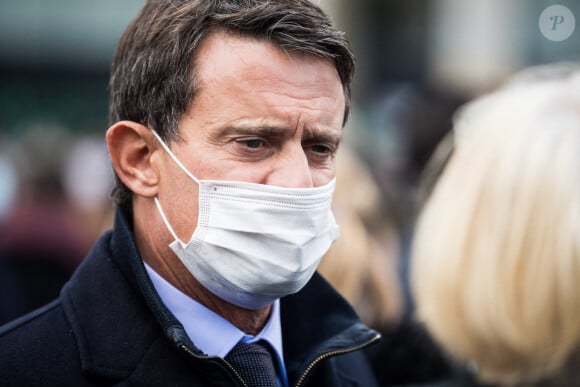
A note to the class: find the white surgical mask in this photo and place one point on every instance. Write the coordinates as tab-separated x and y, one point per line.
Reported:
255	243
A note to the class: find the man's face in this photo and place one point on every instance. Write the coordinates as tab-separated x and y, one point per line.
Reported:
260	115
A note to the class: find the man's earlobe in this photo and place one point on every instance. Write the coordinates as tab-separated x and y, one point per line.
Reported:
130	149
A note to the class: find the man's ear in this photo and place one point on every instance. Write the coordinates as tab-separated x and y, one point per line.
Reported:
131	146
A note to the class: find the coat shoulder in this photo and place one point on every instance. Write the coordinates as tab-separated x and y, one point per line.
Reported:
29	327
36	344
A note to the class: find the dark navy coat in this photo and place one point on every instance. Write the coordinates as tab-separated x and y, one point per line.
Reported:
109	327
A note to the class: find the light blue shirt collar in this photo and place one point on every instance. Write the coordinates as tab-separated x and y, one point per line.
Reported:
210	332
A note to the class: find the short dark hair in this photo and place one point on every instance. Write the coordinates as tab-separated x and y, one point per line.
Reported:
152	76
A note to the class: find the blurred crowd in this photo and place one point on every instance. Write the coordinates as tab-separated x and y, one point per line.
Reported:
54	203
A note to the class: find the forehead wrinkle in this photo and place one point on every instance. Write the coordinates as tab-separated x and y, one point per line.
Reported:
310	112
305	90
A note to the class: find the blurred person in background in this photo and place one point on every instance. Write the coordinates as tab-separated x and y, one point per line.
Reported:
434	168
364	269
41	239
88	181
226	117
8	179
496	255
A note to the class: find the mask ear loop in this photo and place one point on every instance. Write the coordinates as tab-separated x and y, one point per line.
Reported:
166	221
155	199
170	153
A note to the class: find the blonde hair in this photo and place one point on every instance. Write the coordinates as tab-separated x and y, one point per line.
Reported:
496	255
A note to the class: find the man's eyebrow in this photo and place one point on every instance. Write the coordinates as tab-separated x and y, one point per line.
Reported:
273	130
255	130
324	136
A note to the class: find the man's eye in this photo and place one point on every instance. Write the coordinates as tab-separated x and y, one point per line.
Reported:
253	143
322	149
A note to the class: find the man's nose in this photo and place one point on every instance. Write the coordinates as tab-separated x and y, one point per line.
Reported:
292	170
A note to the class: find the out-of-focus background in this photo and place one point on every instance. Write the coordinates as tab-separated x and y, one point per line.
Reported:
418	61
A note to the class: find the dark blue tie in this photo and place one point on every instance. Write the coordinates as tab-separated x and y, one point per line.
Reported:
254	363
